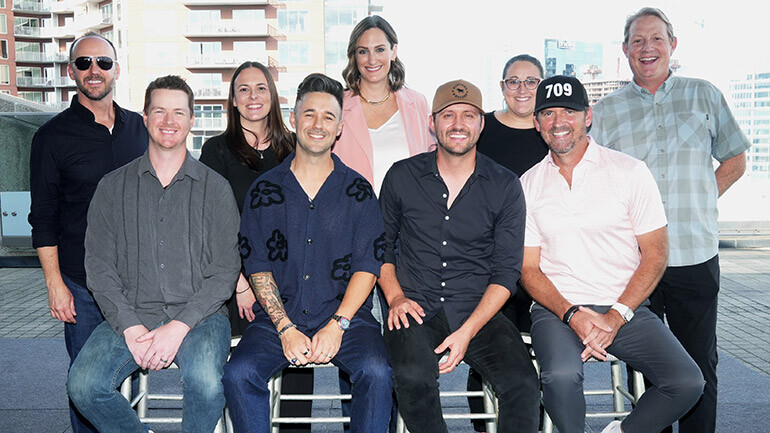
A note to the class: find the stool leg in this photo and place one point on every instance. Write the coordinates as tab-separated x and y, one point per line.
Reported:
144	390
638	385
617	382
489	406
229	421
125	388
274	385
400	425
547	423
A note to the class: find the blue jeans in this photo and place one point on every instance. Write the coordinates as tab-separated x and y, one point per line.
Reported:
105	362
259	356
644	343
75	335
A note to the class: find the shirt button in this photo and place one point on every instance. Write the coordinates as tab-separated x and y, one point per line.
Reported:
304	311
441	299
306	277
663	176
443	195
443	284
312	206
161	219
161	243
162	266
443	243
309	241
662	150
443	264
446	217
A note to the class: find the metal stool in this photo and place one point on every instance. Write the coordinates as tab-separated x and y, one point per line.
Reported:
274	385
489	414
618	391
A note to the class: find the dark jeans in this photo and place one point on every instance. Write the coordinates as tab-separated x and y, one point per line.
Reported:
687	297
76	335
497	352
259	356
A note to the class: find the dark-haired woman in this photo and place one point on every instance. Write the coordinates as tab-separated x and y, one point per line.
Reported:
384	121
256	140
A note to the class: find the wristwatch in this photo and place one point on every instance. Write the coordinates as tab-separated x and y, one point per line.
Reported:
625	312
343	321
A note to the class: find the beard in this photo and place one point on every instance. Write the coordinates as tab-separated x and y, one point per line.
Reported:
90	94
457	151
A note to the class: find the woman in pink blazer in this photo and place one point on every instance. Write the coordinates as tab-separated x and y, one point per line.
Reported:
384	122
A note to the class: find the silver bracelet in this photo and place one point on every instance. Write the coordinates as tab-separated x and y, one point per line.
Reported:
286	328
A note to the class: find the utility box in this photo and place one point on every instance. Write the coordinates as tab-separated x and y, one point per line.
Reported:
15	231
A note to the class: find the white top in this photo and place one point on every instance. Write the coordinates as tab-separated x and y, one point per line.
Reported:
389	145
587	233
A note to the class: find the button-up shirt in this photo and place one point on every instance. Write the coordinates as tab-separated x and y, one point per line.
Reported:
587	231
70	154
676	131
312	246
156	253
447	256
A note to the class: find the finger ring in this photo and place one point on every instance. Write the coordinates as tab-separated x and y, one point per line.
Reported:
293	360
163	360
306	351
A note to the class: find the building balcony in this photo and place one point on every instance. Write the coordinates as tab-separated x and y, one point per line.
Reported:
210	124
34	57
226	59
62	7
31	32
210	93
92	21
229	2
231	28
44	82
30	6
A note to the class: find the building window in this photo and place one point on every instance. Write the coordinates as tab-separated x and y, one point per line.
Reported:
107	35
343	16
336	53
5	74
3	49
209	117
32	96
3	24
106	12
293	21
293	53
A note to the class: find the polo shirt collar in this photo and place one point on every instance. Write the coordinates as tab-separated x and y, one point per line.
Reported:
591	154
664	88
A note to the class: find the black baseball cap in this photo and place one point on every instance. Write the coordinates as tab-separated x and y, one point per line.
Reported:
561	91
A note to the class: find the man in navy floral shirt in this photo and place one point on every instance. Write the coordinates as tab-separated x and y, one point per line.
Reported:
312	243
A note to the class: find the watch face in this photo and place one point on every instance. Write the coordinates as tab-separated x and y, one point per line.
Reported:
344	323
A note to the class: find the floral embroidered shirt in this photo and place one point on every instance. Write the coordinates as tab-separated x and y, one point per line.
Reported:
312	247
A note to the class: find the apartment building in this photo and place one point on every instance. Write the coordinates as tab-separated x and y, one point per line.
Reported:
750	98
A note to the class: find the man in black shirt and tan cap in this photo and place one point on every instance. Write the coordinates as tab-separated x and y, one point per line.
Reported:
458	218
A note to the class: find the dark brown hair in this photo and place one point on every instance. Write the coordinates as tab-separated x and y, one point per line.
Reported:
351	75
169	82
281	139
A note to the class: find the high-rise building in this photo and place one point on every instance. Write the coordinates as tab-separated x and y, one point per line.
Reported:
751	108
600	88
573	58
201	40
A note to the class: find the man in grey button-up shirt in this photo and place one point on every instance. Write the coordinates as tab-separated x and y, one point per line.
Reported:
161	259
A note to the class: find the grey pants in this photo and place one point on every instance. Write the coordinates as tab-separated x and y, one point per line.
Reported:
644	343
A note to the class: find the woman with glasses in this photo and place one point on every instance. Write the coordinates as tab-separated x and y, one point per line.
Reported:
384	121
510	138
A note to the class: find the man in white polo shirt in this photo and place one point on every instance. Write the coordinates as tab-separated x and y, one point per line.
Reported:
595	247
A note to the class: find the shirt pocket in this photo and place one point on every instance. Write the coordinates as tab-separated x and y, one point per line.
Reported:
694	130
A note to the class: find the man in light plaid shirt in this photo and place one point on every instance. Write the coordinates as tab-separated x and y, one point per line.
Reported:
676	125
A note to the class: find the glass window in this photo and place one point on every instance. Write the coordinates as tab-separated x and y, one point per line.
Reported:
250	16
3	24
293	53
3	49
5	74
293	21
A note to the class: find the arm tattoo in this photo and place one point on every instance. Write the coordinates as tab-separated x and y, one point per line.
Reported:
266	292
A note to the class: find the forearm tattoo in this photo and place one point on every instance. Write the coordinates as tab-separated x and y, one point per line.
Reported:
266	292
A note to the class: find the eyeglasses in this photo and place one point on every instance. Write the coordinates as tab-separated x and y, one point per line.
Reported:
514	84
84	63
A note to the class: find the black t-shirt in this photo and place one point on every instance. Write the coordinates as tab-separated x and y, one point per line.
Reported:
515	149
217	155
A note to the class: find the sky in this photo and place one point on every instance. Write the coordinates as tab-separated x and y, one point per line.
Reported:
443	40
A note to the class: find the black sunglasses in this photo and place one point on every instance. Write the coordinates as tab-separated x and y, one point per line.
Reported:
84	63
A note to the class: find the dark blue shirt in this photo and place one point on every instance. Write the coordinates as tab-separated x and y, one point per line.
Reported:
312	247
70	154
447	257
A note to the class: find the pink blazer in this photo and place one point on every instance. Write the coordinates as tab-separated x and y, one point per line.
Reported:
354	147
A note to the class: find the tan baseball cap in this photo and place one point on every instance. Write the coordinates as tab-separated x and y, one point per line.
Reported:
456	92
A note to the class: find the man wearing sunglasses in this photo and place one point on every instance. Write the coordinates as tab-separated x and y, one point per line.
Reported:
70	154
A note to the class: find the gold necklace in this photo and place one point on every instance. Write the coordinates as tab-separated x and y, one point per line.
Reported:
380	102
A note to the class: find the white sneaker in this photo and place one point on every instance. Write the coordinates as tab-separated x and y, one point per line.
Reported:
613	427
